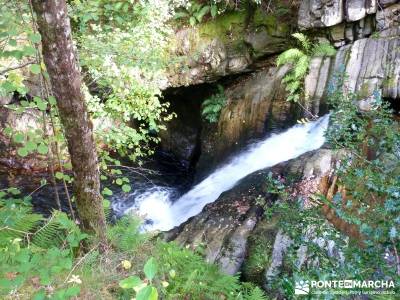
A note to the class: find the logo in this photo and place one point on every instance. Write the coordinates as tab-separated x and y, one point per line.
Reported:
344	287
302	287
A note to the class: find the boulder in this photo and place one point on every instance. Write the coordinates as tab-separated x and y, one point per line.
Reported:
358	9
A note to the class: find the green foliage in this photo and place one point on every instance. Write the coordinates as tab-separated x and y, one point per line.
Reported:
143	289
17	44
33	249
124	48
251	292
195	12
371	203
124	235
38	253
213	105
299	59
370	170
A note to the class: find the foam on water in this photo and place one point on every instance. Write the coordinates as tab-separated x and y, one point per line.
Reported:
155	203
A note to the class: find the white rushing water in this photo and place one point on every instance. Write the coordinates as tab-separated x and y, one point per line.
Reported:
155	203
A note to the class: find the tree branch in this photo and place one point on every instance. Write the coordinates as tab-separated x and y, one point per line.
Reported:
16	67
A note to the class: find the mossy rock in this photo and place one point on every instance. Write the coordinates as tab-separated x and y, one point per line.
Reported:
259	251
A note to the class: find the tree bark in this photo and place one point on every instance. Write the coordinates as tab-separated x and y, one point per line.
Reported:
59	57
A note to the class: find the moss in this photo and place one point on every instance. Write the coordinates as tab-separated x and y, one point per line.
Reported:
271	22
260	245
226	27
231	25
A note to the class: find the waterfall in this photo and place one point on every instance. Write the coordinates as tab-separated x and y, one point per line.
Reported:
155	203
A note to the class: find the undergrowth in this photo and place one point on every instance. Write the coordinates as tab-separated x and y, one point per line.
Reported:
52	259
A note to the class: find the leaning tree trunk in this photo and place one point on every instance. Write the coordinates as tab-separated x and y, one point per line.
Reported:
59	57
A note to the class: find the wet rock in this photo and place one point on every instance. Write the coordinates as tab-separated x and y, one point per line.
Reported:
226	227
315	83
281	244
255	105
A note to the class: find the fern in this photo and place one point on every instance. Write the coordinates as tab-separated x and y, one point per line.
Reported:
125	234
299	59
50	234
323	49
289	56
256	294
18	221
213	105
304	41
301	67
251	292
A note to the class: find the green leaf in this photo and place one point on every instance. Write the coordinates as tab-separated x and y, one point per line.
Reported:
126	188
35	37
24	103
8	131
192	21
130	282
12	42
29	51
42	105
19	138
22	152
35	69
59	175
72	291
181	15
204	10
147	293
118	181
106	203
39	295
42	149
214	10
107	192
30	146
52	100
150	269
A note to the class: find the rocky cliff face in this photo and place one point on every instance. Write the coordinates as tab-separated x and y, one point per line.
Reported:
367	37
230	44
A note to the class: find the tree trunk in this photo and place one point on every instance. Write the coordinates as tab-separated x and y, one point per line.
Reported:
59	57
